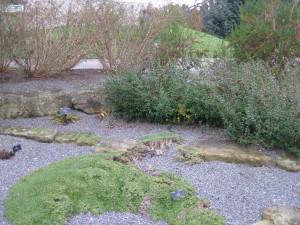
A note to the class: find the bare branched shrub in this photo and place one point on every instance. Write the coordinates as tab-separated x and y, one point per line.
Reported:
125	33
49	37
5	53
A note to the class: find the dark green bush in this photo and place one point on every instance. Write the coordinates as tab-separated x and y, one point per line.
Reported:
246	99
258	108
162	95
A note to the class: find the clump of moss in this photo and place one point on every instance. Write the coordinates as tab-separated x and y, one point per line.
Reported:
96	184
150	145
163	136
189	158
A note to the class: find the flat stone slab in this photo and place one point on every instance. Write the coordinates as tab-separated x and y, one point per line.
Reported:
280	216
214	149
289	165
218	149
263	222
114	145
77	138
36	134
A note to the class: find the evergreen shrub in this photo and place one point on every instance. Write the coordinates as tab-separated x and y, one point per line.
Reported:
161	95
258	108
269	30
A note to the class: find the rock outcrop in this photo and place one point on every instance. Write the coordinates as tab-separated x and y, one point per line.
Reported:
89	100
26	105
36	104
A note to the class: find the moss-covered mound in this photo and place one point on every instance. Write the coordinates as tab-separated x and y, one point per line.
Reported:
95	183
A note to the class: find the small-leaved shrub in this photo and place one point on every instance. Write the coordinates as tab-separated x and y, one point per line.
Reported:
248	100
258	108
161	95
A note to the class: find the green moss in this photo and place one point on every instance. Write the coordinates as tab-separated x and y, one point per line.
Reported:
19	129
37	129
94	183
103	149
158	137
188	157
13	129
77	138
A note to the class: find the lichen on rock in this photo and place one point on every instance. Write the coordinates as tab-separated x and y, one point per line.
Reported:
36	134
77	138
280	216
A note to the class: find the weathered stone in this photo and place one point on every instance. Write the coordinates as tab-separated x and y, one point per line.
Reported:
211	150
36	134
282	215
90	100
11	107
263	222
114	145
289	165
25	105
77	138
46	104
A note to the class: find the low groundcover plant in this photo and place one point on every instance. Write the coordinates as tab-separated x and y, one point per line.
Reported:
95	183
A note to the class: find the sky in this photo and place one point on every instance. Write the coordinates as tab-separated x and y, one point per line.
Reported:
158	3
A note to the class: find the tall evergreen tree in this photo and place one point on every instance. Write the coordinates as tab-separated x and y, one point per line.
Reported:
221	16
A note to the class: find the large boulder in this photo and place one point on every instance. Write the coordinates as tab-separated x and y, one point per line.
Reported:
36	134
280	216
90	100
25	105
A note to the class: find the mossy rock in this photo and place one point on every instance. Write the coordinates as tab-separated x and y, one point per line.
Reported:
211	149
77	138
280	216
114	145
288	164
96	184
36	134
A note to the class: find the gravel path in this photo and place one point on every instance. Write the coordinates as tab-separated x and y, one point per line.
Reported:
237	192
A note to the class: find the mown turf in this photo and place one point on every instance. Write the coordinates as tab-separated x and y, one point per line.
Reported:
97	184
207	45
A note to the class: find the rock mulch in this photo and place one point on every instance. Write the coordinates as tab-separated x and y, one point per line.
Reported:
239	193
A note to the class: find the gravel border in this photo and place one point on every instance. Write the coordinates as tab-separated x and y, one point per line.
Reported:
237	192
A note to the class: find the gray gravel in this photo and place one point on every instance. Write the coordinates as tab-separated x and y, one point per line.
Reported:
114	218
237	192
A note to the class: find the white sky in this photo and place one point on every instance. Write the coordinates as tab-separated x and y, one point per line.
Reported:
162	2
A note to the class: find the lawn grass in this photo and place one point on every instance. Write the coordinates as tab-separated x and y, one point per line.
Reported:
207	45
96	184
